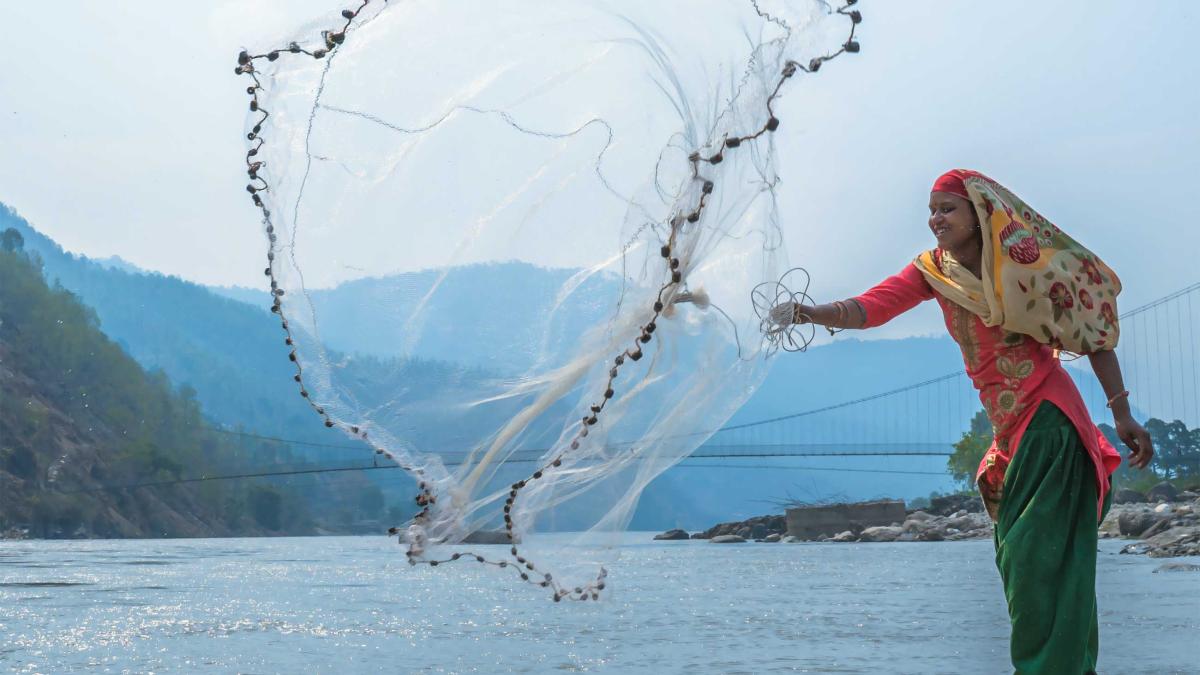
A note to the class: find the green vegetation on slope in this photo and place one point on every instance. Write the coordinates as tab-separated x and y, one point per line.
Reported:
78	414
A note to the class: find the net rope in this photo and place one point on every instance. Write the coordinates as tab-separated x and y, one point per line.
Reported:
706	215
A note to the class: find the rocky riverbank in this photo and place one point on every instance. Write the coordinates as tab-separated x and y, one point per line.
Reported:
1165	522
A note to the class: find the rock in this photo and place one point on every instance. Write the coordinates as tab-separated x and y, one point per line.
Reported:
1178	541
911	526
727	539
1157	528
754	528
1188	495
772	538
907	536
1163	508
880	533
672	535
1177	567
950	504
1140	548
1134	523
1164	491
789	539
1127	496
932	535
961	523
1111	527
843	537
919	516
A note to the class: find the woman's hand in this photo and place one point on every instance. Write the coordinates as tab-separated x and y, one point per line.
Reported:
1137	439
788	313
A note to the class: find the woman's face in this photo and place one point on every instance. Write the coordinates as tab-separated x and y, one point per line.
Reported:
952	220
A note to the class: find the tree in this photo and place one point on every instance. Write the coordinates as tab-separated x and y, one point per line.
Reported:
12	241
1175	447
969	451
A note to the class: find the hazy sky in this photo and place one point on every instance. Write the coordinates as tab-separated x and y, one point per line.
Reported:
120	132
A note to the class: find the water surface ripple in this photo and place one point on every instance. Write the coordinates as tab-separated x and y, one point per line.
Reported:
351	604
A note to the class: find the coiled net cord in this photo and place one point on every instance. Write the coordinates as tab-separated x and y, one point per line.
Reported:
788	336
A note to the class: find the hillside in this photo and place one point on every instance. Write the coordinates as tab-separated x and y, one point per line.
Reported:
78	414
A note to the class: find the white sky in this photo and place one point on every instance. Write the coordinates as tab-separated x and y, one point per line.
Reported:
121	123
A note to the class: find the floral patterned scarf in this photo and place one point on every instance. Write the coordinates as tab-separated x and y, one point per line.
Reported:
1036	279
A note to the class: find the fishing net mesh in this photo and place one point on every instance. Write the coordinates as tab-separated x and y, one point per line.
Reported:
513	248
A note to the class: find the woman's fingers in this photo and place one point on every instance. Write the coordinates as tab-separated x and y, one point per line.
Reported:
1145	451
1142	447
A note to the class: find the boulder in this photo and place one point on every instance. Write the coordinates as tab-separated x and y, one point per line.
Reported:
880	533
1188	495
758	531
1163	508
772	538
672	535
727	539
701	535
962	523
843	537
919	516
932	535
789	539
1134	523
1157	528
1127	496
912	526
1164	491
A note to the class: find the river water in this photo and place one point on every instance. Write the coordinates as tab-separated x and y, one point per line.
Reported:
351	604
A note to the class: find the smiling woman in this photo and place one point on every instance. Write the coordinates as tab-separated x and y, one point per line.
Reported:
612	143
1006	280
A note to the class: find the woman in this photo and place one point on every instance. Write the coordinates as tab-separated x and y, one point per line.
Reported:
1014	289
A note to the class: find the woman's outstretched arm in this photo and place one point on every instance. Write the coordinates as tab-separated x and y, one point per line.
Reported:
1108	371
885	301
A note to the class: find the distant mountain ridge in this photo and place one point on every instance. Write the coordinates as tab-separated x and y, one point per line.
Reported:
231	353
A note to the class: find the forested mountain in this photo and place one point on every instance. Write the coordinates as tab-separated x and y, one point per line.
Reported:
77	414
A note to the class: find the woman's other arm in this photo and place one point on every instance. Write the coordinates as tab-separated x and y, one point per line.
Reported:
1108	371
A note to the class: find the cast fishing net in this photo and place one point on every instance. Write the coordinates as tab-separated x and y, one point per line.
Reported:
512	246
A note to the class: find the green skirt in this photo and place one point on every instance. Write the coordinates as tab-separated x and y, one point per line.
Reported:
1046	548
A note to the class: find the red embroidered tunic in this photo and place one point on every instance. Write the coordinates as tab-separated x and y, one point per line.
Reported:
1013	372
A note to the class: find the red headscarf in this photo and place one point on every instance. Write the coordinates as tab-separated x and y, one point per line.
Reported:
952	182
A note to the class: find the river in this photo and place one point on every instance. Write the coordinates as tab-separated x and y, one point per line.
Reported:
352	604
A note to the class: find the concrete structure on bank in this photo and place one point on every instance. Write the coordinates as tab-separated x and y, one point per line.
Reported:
818	522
